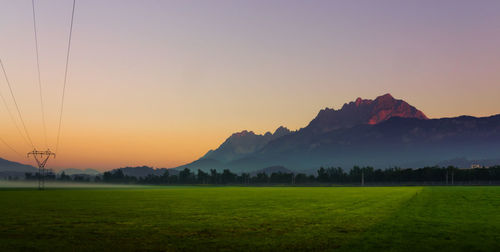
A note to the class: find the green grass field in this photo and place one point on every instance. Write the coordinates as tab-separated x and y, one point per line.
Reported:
251	218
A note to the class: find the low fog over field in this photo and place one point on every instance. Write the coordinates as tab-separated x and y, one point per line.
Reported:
51	184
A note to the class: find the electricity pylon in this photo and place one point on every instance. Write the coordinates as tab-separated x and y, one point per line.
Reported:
41	158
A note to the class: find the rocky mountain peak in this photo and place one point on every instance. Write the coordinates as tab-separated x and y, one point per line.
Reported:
363	111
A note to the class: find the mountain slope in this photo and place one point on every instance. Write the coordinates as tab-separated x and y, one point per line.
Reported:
72	171
6	165
144	171
382	132
395	142
240	144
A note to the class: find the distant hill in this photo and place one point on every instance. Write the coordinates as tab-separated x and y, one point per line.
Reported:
9	166
14	169
143	171
383	132
466	163
270	170
72	171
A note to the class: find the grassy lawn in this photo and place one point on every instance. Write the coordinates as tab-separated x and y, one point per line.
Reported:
253	218
440	219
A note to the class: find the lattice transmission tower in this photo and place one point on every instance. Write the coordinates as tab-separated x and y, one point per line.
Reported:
41	158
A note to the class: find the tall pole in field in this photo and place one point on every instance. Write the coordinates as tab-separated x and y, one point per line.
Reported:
41	158
447	176
362	177
452	176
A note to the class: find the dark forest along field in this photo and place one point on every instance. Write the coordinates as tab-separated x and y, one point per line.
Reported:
251	218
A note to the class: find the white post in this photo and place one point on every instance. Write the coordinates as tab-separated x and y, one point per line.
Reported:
363	177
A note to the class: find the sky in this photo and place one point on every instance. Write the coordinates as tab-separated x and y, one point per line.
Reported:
160	83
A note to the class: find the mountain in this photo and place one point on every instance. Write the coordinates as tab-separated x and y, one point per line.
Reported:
71	171
270	170
383	132
363	111
9	166
143	171
243	143
408	142
9	169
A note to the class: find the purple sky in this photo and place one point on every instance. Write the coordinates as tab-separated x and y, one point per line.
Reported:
162	82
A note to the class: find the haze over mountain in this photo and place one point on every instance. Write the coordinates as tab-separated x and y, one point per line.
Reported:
15	169
6	165
73	171
382	132
144	171
240	144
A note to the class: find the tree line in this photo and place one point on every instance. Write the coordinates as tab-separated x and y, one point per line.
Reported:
51	176
329	175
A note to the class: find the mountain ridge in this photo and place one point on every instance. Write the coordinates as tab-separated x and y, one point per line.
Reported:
363	111
242	143
363	129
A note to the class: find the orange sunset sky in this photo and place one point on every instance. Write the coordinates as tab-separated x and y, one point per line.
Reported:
160	83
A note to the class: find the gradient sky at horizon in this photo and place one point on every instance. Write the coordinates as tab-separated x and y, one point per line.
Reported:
161	82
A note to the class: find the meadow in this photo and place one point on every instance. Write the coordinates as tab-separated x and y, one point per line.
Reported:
251	218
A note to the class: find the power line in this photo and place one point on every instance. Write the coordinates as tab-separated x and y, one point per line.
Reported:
13	119
65	75
10	147
39	77
15	103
